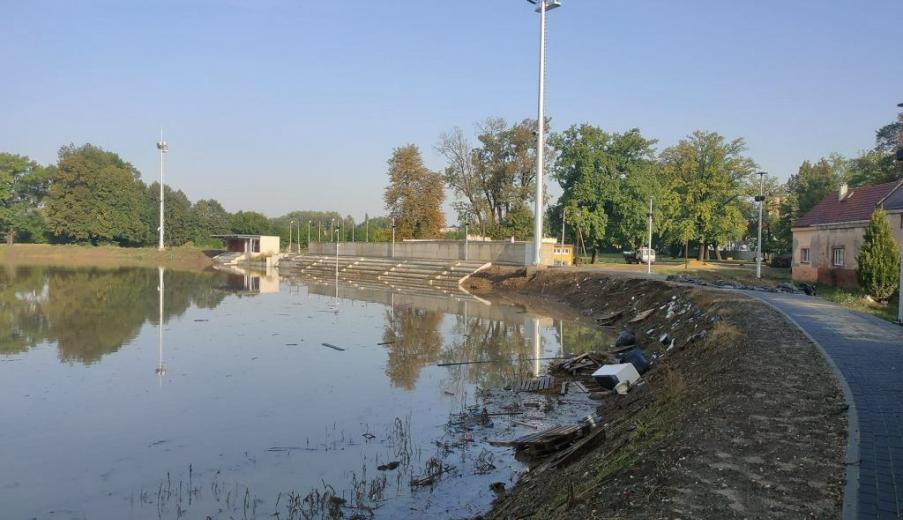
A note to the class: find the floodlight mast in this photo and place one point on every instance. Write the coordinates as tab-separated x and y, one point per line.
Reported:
163	147
543	6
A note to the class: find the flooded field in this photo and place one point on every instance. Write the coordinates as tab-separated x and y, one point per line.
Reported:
256	397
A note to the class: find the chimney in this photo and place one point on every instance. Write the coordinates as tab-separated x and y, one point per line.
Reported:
842	193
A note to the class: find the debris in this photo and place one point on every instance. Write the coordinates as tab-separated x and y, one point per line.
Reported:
537	384
636	358
496	361
564	388
553	439
386	343
498	488
330	345
388	467
291	344
434	470
368	436
581	387
528	425
608	319
609	376
642	316
598	396
622	388
625	338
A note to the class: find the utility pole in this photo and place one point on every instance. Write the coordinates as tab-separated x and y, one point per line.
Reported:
761	200
649	246
163	147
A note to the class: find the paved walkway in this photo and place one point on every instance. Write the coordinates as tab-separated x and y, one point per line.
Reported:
868	354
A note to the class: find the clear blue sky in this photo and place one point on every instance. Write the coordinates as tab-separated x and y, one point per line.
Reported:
280	105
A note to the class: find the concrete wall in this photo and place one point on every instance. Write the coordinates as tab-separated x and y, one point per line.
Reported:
497	252
821	241
269	245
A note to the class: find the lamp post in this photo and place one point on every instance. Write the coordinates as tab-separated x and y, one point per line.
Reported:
291	229
900	289
649	246
760	198
319	231
544	5
308	239
466	241
563	214
393	237
163	147
366	227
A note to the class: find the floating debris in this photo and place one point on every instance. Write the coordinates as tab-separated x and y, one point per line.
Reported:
330	345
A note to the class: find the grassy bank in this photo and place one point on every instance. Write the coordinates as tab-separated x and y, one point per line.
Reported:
182	258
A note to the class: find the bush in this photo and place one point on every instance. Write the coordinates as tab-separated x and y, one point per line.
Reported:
781	261
879	259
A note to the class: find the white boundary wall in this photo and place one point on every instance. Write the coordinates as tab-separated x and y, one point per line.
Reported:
496	251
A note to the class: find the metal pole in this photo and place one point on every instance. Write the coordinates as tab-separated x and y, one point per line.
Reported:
291	228
367	228
393	238
466	242
163	148
540	128
308	238
319	229
649	250
761	198
563	212
352	231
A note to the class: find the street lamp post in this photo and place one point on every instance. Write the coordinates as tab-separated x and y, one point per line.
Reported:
649	246
163	147
760	198
466	241
319	231
308	238
393	237
291	229
900	289
544	5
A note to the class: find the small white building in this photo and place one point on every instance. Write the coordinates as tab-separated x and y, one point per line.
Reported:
250	245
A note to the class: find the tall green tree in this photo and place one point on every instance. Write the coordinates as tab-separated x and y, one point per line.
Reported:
251	223
210	218
23	184
711	176
879	259
493	182
607	180
813	181
179	223
414	195
96	197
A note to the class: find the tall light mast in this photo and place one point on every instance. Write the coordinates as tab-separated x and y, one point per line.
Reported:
162	146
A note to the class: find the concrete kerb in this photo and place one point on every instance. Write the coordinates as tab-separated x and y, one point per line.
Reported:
852	458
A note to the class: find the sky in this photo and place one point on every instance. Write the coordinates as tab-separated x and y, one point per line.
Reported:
278	105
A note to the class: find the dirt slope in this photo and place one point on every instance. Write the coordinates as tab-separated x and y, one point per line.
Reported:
742	418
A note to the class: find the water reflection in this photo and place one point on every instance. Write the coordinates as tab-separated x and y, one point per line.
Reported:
89	313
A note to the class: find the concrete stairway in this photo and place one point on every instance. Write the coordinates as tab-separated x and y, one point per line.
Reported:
436	275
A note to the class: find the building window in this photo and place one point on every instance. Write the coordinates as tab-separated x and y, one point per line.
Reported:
804	255
837	257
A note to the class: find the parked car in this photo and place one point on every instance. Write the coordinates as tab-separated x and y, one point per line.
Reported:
640	256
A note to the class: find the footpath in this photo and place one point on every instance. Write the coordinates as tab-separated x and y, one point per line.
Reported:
867	355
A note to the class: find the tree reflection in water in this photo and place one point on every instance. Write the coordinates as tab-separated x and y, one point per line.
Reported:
413	340
92	312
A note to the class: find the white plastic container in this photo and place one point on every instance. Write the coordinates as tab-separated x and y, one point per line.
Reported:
610	375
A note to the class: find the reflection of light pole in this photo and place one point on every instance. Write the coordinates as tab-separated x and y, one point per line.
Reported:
163	147
544	5
337	268
537	350
760	198
466	241
161	370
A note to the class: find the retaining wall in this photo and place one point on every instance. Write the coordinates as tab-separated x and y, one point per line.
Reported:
496	251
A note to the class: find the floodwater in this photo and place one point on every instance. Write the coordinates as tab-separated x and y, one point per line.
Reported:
234	408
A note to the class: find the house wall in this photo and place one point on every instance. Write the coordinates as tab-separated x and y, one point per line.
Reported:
822	240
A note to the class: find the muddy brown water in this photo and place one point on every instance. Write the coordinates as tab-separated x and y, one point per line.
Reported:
235	409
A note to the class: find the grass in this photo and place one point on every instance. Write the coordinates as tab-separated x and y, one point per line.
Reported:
181	258
855	299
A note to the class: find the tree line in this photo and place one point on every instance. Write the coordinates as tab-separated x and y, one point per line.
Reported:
703	188
93	196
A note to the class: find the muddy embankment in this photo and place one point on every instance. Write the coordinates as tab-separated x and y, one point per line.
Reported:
741	418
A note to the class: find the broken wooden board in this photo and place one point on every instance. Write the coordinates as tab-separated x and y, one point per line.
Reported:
537	384
642	316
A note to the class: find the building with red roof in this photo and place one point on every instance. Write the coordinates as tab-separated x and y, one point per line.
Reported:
827	239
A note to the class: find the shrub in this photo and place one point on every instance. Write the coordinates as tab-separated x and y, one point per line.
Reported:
879	259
